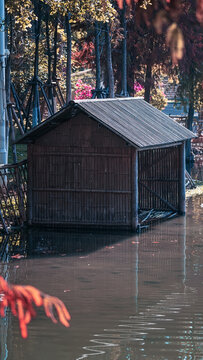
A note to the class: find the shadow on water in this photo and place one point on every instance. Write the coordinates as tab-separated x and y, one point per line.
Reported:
44	242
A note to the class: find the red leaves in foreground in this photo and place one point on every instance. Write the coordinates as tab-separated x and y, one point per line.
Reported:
173	6
128	2
199	11
21	300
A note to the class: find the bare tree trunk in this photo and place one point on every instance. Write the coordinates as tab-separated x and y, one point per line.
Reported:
48	47
68	68
8	95
189	123
36	106
131	76
97	56
50	90
55	49
109	62
124	90
3	127
54	76
148	82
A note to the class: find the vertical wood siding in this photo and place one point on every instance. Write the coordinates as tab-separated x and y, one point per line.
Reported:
81	173
85	178
159	171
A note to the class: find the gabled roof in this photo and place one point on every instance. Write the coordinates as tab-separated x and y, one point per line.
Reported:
133	119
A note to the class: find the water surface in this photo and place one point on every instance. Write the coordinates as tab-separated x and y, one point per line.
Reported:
130	296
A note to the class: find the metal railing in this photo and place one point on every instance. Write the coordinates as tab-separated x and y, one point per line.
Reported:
13	195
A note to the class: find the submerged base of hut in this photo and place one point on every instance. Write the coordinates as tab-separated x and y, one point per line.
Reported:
147	218
13	200
97	163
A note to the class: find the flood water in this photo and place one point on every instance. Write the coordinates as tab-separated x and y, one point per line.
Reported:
130	296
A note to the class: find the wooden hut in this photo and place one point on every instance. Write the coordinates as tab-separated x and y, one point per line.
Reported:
100	162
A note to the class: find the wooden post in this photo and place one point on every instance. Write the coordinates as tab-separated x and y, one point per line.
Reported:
182	179
135	222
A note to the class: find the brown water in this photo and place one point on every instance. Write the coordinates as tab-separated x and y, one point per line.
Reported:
130	297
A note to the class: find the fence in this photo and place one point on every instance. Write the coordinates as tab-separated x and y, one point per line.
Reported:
13	198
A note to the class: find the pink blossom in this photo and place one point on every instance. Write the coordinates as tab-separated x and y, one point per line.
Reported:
138	87
83	91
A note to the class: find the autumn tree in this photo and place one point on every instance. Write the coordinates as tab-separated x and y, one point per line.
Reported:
190	70
45	22
148	53
79	12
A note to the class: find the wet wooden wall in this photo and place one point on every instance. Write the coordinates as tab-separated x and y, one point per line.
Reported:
80	174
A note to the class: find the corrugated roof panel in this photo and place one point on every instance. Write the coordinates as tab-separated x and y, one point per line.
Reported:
133	119
136	120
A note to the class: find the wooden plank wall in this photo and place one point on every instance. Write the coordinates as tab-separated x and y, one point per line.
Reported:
159	171
81	174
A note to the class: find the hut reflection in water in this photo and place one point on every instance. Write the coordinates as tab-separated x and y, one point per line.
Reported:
130	296
136	280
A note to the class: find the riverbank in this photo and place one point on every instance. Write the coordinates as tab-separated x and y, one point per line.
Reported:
197	191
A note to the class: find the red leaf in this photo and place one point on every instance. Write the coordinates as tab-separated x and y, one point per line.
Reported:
199	12
21	300
17	256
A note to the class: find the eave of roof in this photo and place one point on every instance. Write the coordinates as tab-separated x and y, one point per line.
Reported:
49	124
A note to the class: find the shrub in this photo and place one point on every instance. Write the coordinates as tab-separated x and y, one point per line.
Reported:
157	98
83	91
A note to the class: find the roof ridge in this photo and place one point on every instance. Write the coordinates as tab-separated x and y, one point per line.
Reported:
108	99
